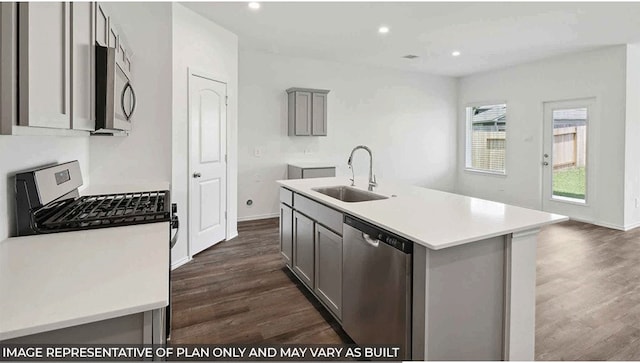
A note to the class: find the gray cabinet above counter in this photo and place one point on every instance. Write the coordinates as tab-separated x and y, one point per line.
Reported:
48	70
308	170
307	111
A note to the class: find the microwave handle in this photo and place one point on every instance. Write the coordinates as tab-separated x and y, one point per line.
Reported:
133	103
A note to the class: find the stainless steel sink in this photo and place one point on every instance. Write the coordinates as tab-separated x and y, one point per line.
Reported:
349	194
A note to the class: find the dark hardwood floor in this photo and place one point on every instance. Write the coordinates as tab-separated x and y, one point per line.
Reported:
587	308
240	292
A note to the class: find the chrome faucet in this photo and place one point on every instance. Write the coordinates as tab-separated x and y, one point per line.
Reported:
372	177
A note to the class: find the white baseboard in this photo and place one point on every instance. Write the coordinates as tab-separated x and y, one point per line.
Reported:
258	217
605	224
232	235
180	262
631	226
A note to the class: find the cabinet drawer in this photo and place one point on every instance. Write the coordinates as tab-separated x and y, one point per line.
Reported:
286	197
326	216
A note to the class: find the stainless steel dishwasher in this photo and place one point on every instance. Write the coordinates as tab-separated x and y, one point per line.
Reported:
376	288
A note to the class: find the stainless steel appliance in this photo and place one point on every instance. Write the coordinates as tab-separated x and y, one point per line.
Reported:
48	201
115	97
376	287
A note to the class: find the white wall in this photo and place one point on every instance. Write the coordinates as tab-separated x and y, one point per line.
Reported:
408	119
599	73
18	153
632	139
145	155
204	46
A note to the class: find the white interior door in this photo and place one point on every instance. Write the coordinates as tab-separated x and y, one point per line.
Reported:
207	164
567	176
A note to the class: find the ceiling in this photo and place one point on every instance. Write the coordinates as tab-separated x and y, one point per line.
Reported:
489	35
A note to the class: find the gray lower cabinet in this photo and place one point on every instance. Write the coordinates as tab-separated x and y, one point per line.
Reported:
311	245
303	248
307	111
328	259
286	233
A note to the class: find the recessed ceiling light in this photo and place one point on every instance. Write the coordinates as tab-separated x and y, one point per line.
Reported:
254	5
383	29
455	53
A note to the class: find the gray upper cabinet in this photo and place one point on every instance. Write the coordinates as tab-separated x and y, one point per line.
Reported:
102	26
307	111
44	40
55	72
82	61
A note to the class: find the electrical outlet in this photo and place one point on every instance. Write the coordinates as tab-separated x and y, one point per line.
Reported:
257	152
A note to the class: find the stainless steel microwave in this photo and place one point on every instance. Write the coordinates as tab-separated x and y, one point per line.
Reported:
115	96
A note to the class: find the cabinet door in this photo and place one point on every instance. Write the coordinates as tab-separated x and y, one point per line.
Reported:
102	26
82	65
286	233
303	249
303	113
319	114
44	36
328	260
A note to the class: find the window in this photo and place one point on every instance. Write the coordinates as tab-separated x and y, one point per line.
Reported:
486	138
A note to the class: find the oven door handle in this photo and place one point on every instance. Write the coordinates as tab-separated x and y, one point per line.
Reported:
175	224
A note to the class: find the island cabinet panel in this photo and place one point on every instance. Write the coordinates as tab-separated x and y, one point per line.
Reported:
322	214
328	260
44	37
286	233
303	248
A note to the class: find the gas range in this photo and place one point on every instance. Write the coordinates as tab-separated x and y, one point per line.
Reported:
48	201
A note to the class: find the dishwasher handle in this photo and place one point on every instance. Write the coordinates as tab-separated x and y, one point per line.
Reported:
371	241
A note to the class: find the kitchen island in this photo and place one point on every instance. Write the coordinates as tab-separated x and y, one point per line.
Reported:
473	263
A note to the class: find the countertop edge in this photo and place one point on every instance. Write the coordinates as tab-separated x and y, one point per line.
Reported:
557	219
11	334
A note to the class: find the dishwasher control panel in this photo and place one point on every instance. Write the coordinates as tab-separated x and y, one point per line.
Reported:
381	235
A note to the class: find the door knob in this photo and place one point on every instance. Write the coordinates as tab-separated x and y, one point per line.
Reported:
197	175
545	163
546	155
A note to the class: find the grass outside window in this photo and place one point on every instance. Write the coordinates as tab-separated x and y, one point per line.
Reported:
570	183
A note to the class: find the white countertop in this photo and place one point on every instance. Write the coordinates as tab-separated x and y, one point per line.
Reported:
429	217
312	165
58	280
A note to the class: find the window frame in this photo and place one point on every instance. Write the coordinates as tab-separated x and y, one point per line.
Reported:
467	139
